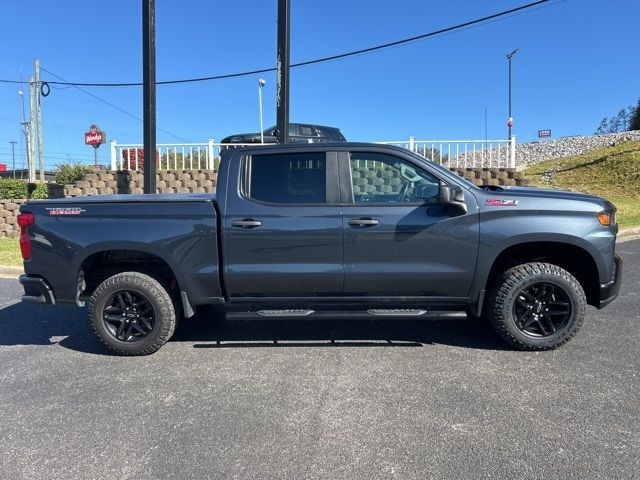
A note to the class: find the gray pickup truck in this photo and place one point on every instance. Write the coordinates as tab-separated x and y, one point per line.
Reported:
330	229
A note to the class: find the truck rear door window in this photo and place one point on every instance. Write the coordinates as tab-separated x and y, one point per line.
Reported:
287	178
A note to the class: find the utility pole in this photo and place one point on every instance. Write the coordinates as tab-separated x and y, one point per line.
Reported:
26	129
25	125
510	120
13	156
39	119
31	127
149	93
282	101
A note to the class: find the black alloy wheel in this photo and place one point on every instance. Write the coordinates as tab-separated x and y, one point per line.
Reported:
536	306
542	309
128	316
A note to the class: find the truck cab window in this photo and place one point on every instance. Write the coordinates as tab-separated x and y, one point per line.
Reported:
380	177
287	178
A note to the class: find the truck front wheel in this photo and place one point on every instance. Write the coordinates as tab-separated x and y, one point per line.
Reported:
132	314
537	306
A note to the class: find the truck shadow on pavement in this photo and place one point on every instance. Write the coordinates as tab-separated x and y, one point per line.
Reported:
28	324
212	329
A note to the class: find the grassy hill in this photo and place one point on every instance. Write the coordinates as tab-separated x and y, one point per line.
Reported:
611	172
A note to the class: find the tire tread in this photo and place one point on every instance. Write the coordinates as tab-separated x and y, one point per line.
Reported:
156	291
504	286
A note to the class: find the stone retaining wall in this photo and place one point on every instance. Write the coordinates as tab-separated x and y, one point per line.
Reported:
204	181
493	176
109	182
8	212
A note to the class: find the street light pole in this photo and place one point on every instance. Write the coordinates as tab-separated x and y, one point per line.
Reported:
13	155
261	84
510	121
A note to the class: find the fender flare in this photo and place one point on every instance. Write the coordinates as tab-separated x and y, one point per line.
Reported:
143	247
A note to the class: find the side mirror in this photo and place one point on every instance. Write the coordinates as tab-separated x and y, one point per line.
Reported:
453	197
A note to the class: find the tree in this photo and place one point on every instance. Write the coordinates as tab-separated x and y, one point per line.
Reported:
634	123
614	124
630	111
622	120
603	127
133	158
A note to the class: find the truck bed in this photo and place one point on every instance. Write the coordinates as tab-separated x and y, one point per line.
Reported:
71	235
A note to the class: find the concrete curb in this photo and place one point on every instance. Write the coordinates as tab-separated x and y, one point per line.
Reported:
10	272
629	232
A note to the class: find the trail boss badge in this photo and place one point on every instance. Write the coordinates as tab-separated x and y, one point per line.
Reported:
65	211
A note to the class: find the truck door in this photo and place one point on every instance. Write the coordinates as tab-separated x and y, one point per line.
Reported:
398	240
282	226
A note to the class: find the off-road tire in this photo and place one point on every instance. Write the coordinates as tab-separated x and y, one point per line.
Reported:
156	294
511	282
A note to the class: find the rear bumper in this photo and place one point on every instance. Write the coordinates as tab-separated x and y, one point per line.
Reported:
609	291
37	290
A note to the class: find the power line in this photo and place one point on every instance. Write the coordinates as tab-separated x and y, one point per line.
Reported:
315	61
59	153
111	104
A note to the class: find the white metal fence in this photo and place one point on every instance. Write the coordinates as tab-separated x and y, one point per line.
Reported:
205	156
463	153
170	156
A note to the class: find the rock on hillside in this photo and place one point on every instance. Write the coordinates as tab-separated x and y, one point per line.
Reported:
529	153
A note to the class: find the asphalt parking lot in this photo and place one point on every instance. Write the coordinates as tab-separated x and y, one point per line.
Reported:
357	399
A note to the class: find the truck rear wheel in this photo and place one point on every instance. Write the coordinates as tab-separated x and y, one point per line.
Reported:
537	306
132	314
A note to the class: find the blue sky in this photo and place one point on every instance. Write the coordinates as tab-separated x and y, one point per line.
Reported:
578	62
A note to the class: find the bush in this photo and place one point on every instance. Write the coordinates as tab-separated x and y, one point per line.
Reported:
70	173
41	192
133	158
10	188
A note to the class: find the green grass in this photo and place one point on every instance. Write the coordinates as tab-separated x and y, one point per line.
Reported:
10	252
611	172
628	214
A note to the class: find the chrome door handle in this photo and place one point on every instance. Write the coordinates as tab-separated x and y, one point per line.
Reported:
246	223
364	222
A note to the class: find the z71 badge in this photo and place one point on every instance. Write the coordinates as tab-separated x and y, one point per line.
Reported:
65	210
498	202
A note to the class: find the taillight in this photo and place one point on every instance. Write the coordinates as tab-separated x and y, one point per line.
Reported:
25	220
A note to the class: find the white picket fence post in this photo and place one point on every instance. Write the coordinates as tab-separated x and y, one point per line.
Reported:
512	151
114	157
210	160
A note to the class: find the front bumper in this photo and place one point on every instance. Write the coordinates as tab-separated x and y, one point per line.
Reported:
37	290
609	291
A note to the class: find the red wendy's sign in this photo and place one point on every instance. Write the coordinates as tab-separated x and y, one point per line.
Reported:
95	136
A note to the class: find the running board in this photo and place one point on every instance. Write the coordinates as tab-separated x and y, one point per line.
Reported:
299	314
397	312
285	313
